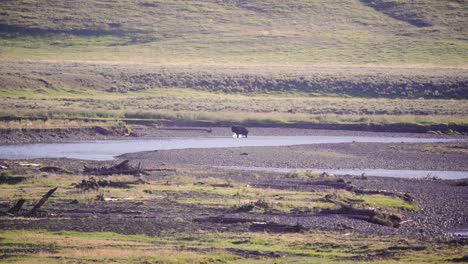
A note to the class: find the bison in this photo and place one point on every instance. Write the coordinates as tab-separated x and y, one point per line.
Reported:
240	131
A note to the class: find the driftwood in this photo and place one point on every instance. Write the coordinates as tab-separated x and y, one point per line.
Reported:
162	169
87	185
404	196
277	228
53	169
122	168
15	209
19	204
260	204
22	164
92	184
42	201
368	214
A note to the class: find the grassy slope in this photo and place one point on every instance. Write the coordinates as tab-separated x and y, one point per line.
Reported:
237	32
291	49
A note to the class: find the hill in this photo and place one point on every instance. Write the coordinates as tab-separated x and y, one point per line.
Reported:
346	32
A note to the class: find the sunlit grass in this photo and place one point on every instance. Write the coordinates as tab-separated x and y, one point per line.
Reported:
184	104
324	247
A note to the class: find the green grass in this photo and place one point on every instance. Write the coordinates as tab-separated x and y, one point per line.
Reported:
195	105
387	202
228	32
323	247
187	190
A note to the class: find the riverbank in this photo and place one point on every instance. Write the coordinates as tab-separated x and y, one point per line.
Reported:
107	132
359	155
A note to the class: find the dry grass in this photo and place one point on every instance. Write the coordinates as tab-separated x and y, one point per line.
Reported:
52	124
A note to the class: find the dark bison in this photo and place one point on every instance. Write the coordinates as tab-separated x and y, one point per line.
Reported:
240	131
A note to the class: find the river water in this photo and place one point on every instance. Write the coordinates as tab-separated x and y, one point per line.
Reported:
408	174
108	149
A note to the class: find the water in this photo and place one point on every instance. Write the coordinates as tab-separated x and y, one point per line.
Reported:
408	174
460	232
108	149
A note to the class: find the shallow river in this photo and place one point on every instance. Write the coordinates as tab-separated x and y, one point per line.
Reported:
409	174
108	149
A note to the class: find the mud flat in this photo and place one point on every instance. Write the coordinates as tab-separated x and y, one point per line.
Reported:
394	156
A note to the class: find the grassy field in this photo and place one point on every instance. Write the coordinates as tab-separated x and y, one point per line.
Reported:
306	94
236	61
352	32
59	247
192	105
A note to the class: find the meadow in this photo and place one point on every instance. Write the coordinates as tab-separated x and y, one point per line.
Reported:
353	61
275	95
211	32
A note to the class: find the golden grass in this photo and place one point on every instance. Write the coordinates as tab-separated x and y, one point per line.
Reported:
52	123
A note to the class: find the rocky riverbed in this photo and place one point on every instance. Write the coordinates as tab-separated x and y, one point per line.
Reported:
175	201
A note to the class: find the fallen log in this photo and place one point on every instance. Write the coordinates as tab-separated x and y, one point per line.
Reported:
404	196
53	169
122	168
15	209
277	228
22	164
41	202
92	184
120	184
162	169
366	213
87	185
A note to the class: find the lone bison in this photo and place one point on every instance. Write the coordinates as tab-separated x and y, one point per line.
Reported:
240	131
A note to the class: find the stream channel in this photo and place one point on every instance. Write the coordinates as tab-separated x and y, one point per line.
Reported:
108	149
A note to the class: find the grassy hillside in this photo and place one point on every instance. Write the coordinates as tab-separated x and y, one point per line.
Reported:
297	32
321	61
315	81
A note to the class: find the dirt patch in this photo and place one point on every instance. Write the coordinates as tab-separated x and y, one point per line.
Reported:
277	228
6	178
225	220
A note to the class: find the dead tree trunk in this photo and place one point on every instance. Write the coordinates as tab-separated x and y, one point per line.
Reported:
368	214
15	209
122	168
42	201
